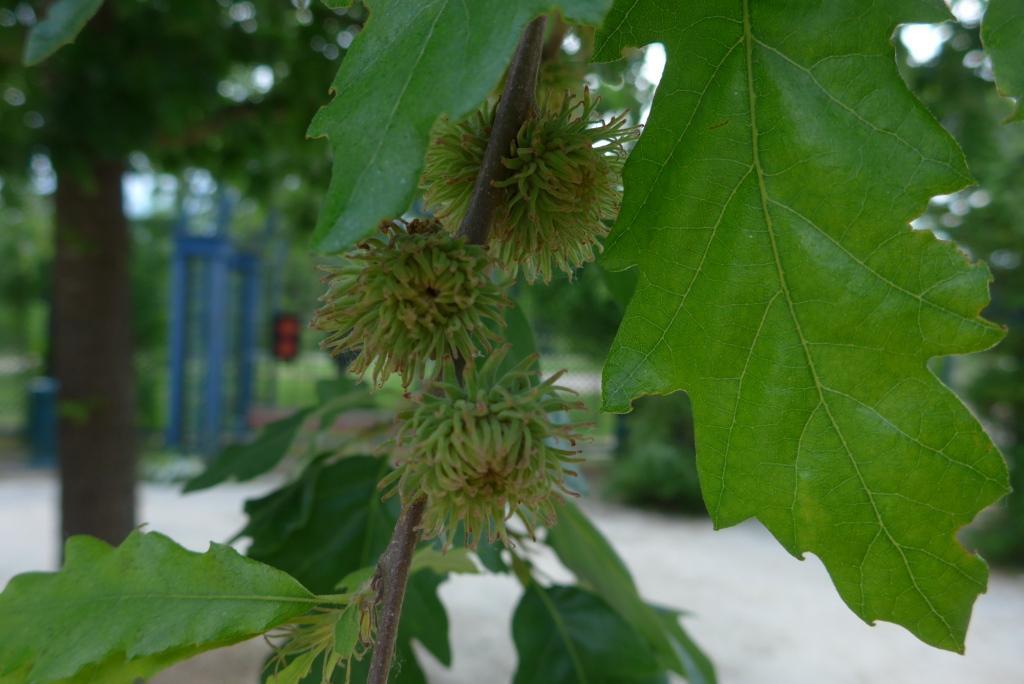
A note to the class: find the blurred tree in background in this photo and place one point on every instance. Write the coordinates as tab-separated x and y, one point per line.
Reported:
227	86
656	461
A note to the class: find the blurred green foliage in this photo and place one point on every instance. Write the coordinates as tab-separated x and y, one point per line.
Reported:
25	252
226	86
192	95
656	464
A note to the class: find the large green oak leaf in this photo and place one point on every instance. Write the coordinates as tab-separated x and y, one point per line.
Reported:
117	614
329	522
245	462
584	550
1002	32
766	207
568	635
412	62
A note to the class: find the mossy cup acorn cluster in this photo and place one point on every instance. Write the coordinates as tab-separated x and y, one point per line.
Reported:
409	299
479	445
486	448
418	302
562	187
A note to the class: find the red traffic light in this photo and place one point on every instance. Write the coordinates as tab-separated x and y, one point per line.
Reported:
285	343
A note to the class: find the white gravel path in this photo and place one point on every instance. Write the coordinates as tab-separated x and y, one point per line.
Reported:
764	617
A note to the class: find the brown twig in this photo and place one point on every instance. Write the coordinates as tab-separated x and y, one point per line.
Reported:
518	100
389	583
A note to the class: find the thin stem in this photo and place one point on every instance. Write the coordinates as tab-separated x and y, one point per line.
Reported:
518	102
389	582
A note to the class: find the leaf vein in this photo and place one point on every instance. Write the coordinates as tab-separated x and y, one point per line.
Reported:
682	300
899	288
664	163
850	110
910	437
736	405
749	40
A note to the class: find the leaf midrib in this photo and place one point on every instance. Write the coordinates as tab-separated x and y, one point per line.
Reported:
563	632
116	598
749	40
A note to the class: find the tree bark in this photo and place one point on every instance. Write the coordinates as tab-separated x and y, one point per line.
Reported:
93	353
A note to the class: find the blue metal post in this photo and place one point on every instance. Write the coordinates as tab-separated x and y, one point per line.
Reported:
42	421
218	260
178	338
249	272
216	253
225	212
216	327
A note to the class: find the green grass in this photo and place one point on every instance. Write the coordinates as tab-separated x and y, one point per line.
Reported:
13	395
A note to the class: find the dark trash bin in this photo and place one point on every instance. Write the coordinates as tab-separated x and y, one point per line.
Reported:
41	426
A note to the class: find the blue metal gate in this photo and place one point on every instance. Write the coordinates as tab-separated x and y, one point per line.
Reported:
213	335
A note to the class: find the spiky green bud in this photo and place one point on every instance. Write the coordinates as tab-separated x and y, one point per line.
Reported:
564	183
485	450
333	635
412	296
452	163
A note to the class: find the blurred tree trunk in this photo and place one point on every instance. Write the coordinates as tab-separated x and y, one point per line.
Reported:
92	352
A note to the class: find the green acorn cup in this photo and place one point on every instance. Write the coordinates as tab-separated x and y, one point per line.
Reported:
335	636
485	450
314	635
452	163
564	183
412	296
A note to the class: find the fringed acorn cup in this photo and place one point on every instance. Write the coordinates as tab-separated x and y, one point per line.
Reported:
453	162
564	183
411	297
334	636
485	450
